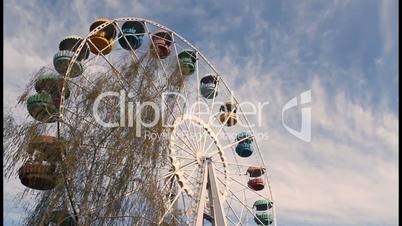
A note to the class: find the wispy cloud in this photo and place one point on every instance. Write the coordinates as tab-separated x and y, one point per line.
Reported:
387	13
272	51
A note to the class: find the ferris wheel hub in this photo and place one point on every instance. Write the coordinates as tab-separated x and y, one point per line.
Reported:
200	155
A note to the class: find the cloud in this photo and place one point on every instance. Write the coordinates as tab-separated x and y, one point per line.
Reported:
349	170
387	11
348	174
270	52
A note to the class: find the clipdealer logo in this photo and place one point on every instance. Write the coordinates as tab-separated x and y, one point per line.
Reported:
134	112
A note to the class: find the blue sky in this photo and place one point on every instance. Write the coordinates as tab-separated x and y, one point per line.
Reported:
345	51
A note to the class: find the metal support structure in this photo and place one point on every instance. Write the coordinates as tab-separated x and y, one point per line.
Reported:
199	221
209	182
211	207
215	200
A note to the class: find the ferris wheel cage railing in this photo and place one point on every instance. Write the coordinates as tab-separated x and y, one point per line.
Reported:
124	19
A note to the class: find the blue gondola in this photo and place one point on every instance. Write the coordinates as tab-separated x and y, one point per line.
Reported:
133	31
244	147
207	87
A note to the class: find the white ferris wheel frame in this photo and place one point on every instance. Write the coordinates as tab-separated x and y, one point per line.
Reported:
208	164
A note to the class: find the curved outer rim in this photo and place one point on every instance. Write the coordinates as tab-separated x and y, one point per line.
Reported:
219	78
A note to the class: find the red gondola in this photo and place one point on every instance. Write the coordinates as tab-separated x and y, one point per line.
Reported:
256	184
38	176
49	147
255	171
161	42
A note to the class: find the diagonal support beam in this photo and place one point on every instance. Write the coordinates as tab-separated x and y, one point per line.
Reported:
199	221
209	184
215	197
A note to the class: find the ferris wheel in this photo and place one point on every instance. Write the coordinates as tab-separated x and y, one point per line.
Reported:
202	163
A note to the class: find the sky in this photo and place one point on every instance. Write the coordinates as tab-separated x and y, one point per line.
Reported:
345	52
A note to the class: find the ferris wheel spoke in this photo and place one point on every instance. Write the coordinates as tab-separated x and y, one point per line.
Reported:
247	208
90	60
181	157
185	209
192	172
186	124
190	182
189	144
228	173
176	54
248	189
197	69
181	74
192	148
230	220
211	106
154	47
192	135
178	64
235	156
226	147
172	188
117	72
187	136
203	143
203	136
209	146
229	202
188	178
171	205
137	58
185	152
175	218
220	129
143	68
97	49
183	149
226	120
170	178
236	142
74	113
132	51
234	212
231	197
240	190
100	51
82	118
218	78
70	81
198	90
234	164
169	175
186	165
